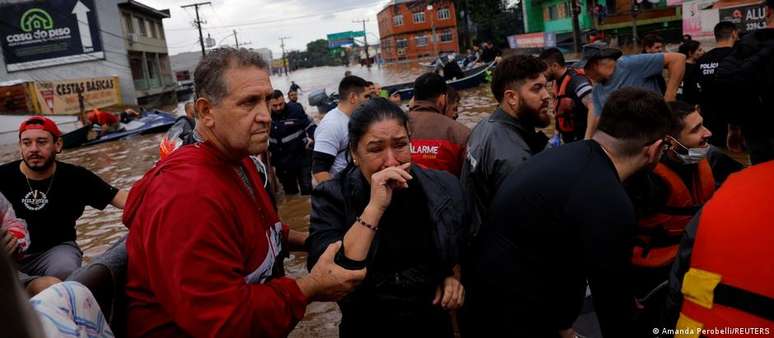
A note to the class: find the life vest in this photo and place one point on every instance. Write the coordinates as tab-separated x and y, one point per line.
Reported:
659	234
565	104
730	282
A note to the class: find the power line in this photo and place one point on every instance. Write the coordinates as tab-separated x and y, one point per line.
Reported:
199	21
286	19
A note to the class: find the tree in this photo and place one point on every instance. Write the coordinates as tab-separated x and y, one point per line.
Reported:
491	20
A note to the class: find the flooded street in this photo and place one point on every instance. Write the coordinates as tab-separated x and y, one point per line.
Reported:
123	162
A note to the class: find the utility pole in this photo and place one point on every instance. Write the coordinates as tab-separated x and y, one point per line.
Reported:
635	11
235	39
284	59
198	21
576	10
365	41
432	28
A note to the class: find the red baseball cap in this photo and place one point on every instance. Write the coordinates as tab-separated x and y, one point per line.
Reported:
40	122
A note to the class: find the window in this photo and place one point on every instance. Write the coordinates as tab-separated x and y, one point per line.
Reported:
443	14
421	40
141	25
419	17
446	36
129	23
401	43
153	29
553	12
161	30
397	20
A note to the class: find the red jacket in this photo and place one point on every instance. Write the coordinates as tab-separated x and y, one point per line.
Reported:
437	141
201	249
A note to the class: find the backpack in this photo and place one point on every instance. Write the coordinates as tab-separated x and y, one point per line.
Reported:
565	104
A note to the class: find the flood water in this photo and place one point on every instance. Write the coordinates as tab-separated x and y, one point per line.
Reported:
123	162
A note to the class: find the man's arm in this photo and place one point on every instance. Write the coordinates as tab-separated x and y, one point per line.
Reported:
675	65
592	119
120	199
321	166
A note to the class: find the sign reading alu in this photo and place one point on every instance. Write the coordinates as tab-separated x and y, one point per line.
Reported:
35	34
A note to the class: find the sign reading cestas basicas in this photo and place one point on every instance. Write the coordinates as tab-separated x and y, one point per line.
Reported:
38	34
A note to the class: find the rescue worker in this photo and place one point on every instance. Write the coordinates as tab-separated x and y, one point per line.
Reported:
714	101
665	199
291	135
721	284
293	101
572	97
437	140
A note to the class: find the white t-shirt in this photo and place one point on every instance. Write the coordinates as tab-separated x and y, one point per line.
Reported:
332	138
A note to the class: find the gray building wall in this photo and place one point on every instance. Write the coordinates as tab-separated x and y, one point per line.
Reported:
116	62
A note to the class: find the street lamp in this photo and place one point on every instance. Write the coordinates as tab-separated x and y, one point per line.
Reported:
432	26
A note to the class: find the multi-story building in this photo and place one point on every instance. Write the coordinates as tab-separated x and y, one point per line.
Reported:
86	39
146	48
406	29
612	17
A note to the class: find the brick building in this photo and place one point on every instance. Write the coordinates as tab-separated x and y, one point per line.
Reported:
405	29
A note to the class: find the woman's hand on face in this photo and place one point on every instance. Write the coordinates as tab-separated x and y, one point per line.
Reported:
384	182
450	294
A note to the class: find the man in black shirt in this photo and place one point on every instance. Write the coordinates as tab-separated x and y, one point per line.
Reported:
51	195
562	220
290	139
572	97
713	100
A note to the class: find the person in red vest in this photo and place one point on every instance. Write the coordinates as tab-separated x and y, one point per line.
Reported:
437	140
666	198
722	284
106	120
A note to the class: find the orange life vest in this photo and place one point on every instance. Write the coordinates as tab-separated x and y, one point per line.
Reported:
565	105
730	283
659	234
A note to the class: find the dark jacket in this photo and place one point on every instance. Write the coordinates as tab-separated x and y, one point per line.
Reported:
497	146
291	130
747	76
337	202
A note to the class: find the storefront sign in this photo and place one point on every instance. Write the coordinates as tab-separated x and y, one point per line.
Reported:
62	97
747	18
38	34
533	40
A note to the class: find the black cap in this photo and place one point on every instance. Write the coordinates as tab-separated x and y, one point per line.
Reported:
595	51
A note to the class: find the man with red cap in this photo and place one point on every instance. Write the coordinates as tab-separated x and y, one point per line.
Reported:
50	196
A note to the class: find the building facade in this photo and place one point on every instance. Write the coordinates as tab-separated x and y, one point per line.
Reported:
406	29
104	38
146	48
610	18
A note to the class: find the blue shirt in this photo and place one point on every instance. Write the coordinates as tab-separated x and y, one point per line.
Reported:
630	71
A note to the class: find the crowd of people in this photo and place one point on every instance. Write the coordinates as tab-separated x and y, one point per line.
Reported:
420	226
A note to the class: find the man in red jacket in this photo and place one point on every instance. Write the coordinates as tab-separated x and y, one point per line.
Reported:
204	240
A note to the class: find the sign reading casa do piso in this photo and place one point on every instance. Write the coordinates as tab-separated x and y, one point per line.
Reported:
38	34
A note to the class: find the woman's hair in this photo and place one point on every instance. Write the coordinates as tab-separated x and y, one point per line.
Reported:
372	111
689	47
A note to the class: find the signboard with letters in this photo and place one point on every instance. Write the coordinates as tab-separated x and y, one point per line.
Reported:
701	16
533	40
343	39
61	97
37	34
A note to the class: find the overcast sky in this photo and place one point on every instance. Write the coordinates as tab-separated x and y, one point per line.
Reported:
263	22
